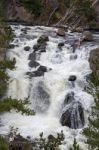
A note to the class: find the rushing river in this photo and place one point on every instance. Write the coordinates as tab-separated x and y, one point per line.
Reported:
53	77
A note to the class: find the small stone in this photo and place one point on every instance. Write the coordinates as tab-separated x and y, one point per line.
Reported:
61	44
72	78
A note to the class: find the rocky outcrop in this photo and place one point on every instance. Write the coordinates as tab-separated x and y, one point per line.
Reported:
94	62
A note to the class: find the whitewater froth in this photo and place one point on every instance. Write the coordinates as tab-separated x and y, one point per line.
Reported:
47	93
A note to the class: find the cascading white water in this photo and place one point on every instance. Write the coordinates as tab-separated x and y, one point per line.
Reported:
48	92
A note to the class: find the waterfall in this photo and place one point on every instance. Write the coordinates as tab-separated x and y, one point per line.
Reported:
53	78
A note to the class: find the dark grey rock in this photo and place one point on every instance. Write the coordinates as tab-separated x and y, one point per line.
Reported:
43	39
42	68
61	44
33	64
32	56
72	78
27	48
73	115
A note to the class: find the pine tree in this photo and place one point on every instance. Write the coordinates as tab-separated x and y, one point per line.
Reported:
75	146
92	131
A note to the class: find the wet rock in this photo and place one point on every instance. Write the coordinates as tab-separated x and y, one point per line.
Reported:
94	62
69	98
73	115
61	32
32	56
42	68
42	48
39	72
43	39
61	44
33	64
36	47
87	36
72	78
27	48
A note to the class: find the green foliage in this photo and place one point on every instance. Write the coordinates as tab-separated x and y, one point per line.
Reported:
7	64
5	35
49	143
85	8
33	5
75	146
3	144
19	105
92	131
94	79
10	64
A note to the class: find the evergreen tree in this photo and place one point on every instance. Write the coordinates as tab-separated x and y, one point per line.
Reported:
92	131
75	146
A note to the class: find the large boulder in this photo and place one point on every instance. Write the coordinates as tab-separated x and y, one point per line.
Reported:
87	36
61	32
73	115
94	61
